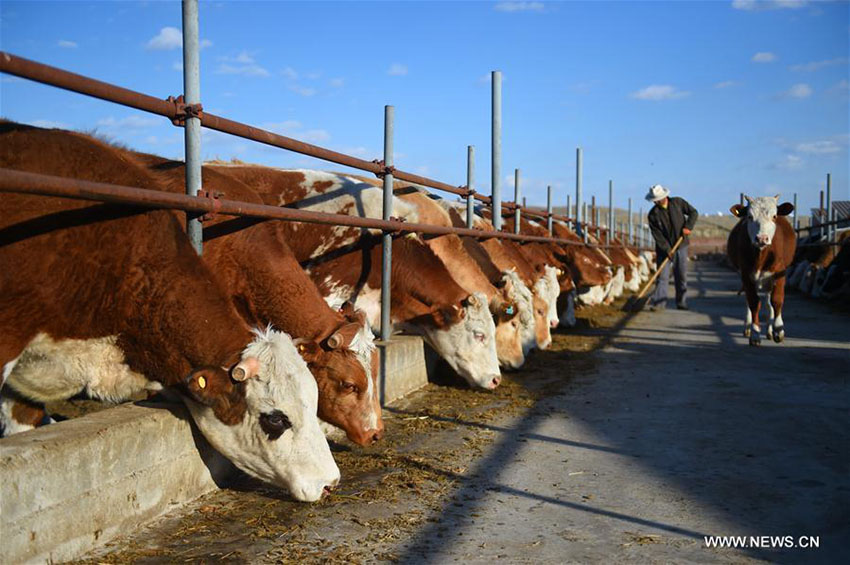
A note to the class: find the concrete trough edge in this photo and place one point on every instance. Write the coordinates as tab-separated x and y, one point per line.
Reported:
70	487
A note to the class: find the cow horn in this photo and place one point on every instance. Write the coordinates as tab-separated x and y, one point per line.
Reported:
245	369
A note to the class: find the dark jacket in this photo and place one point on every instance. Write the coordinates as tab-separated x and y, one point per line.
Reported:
667	224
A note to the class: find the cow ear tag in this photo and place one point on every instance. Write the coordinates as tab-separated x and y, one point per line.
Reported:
202	382
509	310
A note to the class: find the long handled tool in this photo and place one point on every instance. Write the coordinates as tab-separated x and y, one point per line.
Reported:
638	301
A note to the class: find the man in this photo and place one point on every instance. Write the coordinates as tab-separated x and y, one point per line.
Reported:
669	219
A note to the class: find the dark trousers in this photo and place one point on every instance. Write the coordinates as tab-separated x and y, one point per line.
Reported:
679	264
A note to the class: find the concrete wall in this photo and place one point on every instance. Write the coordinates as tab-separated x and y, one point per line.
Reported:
69	487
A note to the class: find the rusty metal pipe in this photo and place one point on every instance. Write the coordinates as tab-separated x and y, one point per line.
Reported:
48	185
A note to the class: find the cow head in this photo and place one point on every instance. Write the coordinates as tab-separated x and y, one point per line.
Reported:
508	330
343	364
261	415
548	288
542	334
464	335
522	296
760	216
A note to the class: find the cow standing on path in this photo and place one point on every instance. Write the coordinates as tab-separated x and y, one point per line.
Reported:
761	247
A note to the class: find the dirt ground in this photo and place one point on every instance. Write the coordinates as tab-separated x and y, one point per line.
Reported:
630	440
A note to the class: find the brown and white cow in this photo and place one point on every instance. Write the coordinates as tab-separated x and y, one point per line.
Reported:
254	265
344	262
761	247
508	258
590	268
126	280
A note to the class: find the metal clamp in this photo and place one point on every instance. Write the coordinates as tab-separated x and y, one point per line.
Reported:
214	197
183	111
384	171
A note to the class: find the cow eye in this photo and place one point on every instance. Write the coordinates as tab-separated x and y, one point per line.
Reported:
345	385
479	336
274	423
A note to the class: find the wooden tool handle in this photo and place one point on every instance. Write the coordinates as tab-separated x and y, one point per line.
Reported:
660	268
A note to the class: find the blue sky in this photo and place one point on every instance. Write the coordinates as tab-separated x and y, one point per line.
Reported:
707	98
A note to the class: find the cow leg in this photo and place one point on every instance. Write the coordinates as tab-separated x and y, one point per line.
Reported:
754	304
771	311
777	299
748	321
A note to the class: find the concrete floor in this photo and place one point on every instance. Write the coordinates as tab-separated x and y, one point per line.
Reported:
674	430
685	431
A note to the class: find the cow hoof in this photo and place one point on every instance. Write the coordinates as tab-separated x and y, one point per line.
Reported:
778	336
747	332
755	339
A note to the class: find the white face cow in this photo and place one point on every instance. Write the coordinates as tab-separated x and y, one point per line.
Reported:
467	341
524	299
263	417
548	288
761	213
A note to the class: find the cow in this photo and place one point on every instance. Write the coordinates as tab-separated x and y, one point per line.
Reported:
590	269
344	263
126	280
508	258
761	247
501	289
254	265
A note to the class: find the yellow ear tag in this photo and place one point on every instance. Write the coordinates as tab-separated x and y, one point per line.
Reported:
202	382
301	348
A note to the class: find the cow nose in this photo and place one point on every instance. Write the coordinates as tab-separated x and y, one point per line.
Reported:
376	437
762	239
496	381
553	324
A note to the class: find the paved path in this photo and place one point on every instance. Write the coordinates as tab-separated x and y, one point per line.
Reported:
685	431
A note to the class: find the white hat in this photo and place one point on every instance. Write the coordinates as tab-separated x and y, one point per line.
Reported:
656	193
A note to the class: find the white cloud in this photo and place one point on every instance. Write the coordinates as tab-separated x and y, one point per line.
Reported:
817	65
177	66
49	124
519	7
842	86
65	44
302	90
289	73
659	92
293	128
790	162
397	70
170	38
725	84
242	64
822	147
761	5
800	90
128	124
315	75
337	82
763	57
167	38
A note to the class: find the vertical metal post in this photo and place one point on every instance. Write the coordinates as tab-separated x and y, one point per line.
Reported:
549	209
387	238
517	211
496	138
569	213
579	228
610	210
829	229
470	182
582	223
820	217
192	129
640	227
630	240
796	223
741	198
596	219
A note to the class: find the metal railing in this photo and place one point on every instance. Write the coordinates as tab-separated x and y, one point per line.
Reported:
185	112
